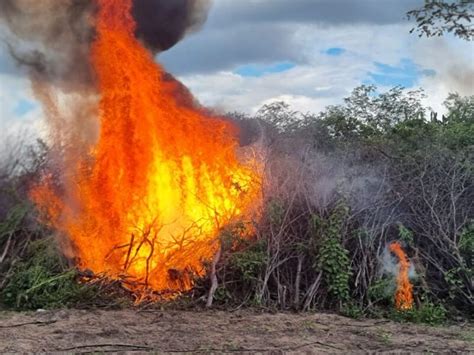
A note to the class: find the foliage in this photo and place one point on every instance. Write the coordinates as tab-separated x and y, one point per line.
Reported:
249	263
334	261
339	186
333	258
279	115
428	313
13	221
438	17
352	310
33	273
382	290
402	174
43	281
466	245
405	235
366	113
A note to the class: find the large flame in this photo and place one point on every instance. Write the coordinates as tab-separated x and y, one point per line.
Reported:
404	292
163	178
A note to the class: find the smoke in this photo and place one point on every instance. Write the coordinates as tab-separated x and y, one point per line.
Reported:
454	72
389	264
53	38
163	23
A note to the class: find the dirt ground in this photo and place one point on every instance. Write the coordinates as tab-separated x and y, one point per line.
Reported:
220	332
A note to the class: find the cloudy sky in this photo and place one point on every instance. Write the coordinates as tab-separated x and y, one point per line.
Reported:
310	53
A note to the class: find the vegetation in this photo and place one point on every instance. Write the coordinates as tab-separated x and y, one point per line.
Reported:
438	17
340	186
42	281
33	272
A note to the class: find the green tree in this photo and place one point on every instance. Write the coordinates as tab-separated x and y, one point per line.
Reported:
438	17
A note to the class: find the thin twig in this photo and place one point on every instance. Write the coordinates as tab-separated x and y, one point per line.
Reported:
7	246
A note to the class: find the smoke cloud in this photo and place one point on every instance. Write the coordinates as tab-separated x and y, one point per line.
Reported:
163	23
53	38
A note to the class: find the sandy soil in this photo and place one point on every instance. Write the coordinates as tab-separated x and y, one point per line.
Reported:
220	332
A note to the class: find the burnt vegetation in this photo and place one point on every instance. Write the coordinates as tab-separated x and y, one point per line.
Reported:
339	187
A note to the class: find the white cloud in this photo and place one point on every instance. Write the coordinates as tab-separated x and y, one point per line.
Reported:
323	80
316	81
16	127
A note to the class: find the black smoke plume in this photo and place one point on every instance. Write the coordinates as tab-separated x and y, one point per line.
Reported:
163	23
53	37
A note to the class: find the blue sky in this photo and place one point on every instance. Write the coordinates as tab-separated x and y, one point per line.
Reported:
259	70
310	53
335	51
23	107
406	74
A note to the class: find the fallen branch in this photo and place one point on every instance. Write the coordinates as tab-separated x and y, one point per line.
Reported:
198	350
132	346
251	350
28	323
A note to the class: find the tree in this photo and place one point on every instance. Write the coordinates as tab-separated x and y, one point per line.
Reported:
438	17
367	113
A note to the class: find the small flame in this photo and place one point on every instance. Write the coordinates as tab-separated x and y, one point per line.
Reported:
404	292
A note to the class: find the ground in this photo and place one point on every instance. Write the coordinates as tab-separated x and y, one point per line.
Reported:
217	332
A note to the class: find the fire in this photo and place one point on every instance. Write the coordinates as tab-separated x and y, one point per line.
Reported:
161	181
404	292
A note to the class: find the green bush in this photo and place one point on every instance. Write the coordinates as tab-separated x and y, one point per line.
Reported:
382	290
249	263
42	280
428	313
352	310
333	258
334	261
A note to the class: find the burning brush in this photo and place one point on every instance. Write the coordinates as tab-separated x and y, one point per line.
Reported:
148	193
404	291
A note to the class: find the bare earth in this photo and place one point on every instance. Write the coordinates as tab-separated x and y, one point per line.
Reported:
220	332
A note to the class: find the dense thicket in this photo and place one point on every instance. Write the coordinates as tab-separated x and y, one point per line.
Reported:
339	187
343	184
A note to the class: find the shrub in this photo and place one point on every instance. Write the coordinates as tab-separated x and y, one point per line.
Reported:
42	280
428	313
333	259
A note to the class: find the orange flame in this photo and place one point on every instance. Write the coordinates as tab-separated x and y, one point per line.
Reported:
404	292
164	177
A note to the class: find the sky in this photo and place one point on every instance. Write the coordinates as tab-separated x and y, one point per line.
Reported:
312	53
309	53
